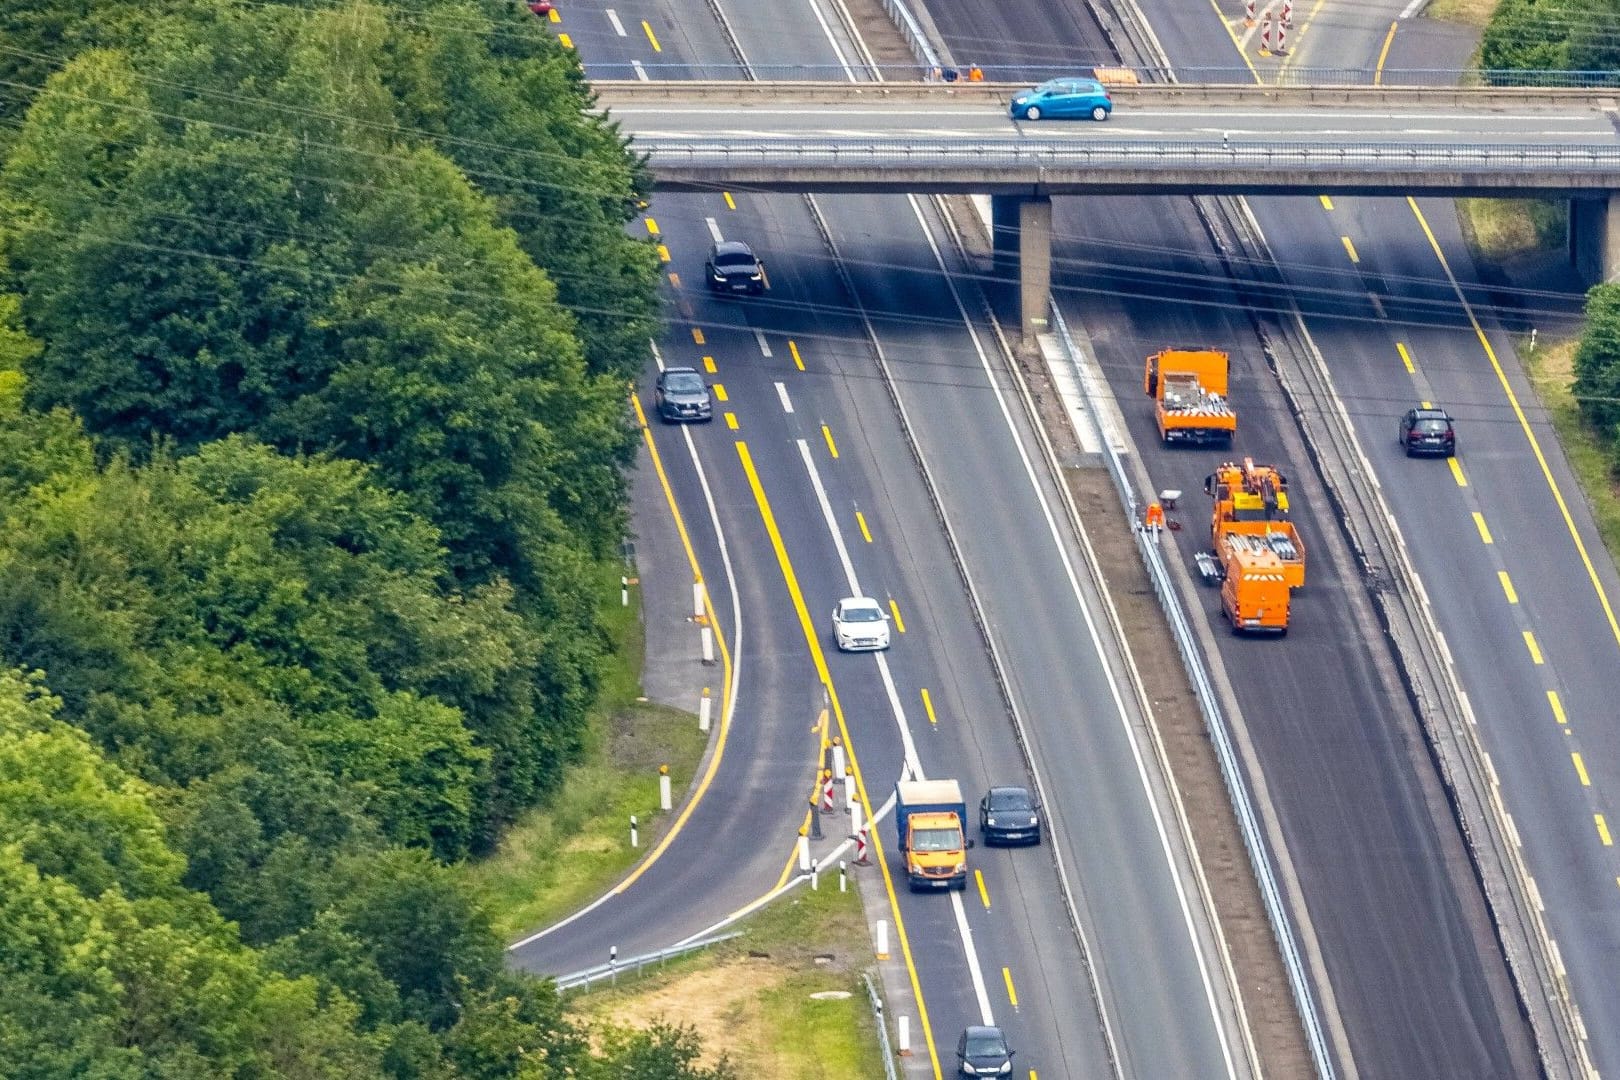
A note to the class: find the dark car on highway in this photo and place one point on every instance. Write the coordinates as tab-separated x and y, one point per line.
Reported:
1009	815
1428	431
734	268
681	394
983	1051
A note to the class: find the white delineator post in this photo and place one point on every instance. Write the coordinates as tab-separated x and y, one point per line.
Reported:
804	850
697	600
705	703
815	875
665	799
843	877
839	771
708	645
880	934
635	840
902	1033
624	590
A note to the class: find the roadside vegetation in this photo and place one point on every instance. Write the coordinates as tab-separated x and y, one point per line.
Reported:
315	324
751	999
1552	369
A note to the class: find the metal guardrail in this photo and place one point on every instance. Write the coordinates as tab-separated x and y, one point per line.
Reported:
1220	737
900	12
878	1019
610	971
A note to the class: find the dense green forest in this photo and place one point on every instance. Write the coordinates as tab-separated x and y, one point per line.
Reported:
315	323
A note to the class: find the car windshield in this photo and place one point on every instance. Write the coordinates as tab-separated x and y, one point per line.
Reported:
937	840
688	382
986	1046
862	614
1430	426
734	258
1010	800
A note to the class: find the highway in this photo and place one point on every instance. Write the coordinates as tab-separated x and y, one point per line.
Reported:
1414	985
814	490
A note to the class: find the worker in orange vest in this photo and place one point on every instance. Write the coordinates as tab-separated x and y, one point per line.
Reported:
975	74
1154	519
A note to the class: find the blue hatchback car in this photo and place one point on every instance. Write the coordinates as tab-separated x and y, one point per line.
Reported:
1061	98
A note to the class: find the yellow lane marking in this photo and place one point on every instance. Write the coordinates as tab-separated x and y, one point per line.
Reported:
984	891
826	433
1456	471
652	37
663	252
725	662
720	392
928	707
793	347
731	421
674	279
1580	769
1236	43
652	227
1524	424
1304	28
1350	249
697	336
1603	830
731	204
1535	650
565	41
860	519
1406	357
1507	586
1327	203
555	15
1012	995
1427	404
1383	54
899	623
1557	707
708	365
813	640
1484	532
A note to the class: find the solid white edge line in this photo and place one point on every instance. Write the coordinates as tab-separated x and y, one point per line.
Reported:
1096	637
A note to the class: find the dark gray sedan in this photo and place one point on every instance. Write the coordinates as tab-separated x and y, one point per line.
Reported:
1009	815
681	394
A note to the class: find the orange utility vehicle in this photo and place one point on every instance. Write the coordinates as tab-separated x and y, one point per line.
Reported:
1252	500
1254	587
1188	388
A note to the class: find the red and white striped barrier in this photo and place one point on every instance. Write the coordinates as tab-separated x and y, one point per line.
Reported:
1248	13
1287	18
862	858
1265	33
1282	39
827	792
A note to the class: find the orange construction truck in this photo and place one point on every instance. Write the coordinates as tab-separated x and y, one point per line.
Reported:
1188	388
1252	500
1254	588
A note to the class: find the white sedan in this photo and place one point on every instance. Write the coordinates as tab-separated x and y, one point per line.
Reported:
860	624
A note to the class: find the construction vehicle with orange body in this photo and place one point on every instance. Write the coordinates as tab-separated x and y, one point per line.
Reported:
1188	388
1258	554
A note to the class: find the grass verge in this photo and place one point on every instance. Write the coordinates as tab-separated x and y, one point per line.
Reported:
1467	12
559	857
1502	229
1551	369
750	1000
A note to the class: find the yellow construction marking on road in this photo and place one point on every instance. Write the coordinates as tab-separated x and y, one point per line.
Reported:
1557	707
984	891
731	421
1507	586
1535	650
663	253
725	661
1299	37
832	447
793	347
1350	249
697	336
565	41
819	658
1426	404
1012	994
1406	358
1237	43
860	519
928	707
1456	472
708	365
1327	203
1603	830
720	392
1524	425
1383	54
554	15
652	227
1580	769
1484	531
651	37
674	280
731	204
899	623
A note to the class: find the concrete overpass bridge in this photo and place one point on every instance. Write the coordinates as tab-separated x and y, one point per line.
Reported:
1162	139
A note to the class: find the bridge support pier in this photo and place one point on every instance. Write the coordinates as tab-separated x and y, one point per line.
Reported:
1021	235
1594	238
